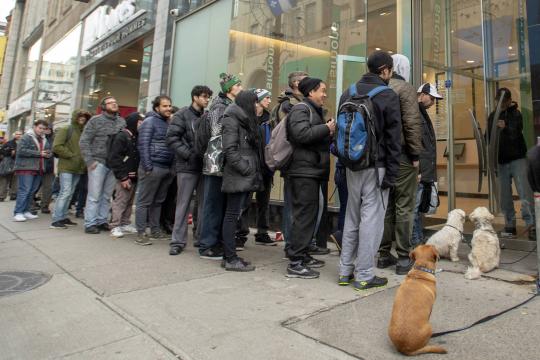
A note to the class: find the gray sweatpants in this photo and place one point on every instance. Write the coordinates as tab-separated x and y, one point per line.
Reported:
187	183
364	224
152	191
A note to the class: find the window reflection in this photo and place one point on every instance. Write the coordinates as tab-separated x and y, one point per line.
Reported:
31	65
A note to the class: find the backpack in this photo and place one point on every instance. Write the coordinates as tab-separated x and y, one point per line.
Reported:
68	137
278	152
356	138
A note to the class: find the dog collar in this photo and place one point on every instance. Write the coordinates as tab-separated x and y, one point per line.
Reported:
424	269
455	228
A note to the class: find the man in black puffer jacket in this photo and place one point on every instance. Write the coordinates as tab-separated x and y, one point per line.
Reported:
307	174
188	163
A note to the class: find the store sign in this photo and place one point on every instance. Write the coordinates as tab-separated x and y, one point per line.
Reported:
270	66
20	105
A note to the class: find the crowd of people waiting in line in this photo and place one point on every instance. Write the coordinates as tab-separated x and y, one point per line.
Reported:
214	151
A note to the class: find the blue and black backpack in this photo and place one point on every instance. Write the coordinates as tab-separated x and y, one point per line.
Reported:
356	137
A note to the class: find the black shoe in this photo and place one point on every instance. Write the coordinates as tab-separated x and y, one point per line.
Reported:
403	266
13	197
264	239
45	211
301	271
2	200
532	234
176	250
92	230
68	222
212	254
240	242
386	261
79	215
58	225
315	250
313	263
104	227
196	244
142	239
238	264
375	282
345	280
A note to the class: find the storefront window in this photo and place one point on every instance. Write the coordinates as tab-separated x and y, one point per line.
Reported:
145	77
31	65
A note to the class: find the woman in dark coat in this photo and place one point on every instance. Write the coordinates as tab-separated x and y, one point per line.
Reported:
242	169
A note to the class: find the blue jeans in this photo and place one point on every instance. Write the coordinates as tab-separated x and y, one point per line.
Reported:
68	183
213	212
28	185
101	182
516	170
418	229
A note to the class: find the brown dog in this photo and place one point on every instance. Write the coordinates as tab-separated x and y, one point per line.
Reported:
410	329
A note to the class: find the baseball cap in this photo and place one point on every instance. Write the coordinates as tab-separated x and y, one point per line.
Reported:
430	89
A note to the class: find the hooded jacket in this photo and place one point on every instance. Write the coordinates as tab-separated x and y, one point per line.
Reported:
28	156
124	158
511	141
242	150
286	100
152	142
95	136
181	140
428	156
66	147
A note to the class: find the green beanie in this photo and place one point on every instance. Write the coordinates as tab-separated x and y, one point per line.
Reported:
228	81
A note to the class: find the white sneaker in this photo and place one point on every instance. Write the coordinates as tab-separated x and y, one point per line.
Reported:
129	229
19	218
117	232
29	216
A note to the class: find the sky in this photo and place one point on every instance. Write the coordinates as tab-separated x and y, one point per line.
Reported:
5	8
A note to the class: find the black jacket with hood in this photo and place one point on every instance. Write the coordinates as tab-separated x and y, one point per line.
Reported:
511	141
181	140
123	157
428	156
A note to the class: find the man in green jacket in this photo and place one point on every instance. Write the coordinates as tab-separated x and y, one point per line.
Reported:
70	166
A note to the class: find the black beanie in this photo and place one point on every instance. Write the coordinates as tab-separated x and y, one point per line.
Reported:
131	122
378	60
307	84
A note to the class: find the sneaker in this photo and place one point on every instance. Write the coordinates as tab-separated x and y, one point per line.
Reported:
29	216
264	239
301	271
403	266
176	250
316	250
386	261
79	215
345	280
313	263
212	254
129	229
240	242
92	230
13	197
159	235
19	218
142	239
45	211
58	225
68	222
375	282
239	265
104	227
223	261
196	244
117	232
508	233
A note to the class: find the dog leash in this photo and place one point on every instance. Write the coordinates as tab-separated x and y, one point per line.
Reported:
484	319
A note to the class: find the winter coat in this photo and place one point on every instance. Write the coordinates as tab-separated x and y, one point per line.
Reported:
7	158
210	124
428	156
181	140
123	159
411	120
286	101
388	125
28	157
152	142
242	166
68	150
95	137
511	141
311	140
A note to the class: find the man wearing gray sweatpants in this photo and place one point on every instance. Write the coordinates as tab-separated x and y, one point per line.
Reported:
369	187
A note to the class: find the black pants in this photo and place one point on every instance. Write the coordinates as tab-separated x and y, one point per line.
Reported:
263	208
235	206
305	210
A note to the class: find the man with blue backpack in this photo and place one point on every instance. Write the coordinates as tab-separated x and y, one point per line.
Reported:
368	142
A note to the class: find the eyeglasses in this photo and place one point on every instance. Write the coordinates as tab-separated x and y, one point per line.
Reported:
111	102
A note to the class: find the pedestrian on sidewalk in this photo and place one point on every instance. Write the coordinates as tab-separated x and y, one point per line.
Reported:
209	145
307	174
369	187
242	173
399	218
32	151
188	162
94	149
123	160
8	179
70	166
155	170
48	176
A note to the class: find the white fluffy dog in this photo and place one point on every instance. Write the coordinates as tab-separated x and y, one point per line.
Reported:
485	253
447	240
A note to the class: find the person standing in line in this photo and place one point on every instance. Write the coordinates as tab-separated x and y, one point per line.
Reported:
427	93
155	175
123	160
8	180
94	149
188	163
70	166
32	151
208	144
48	176
369	188
242	170
307	173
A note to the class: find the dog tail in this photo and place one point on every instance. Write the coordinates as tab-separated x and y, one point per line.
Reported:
429	349
473	273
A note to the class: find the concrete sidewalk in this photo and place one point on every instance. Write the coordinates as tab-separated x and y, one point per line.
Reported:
112	299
